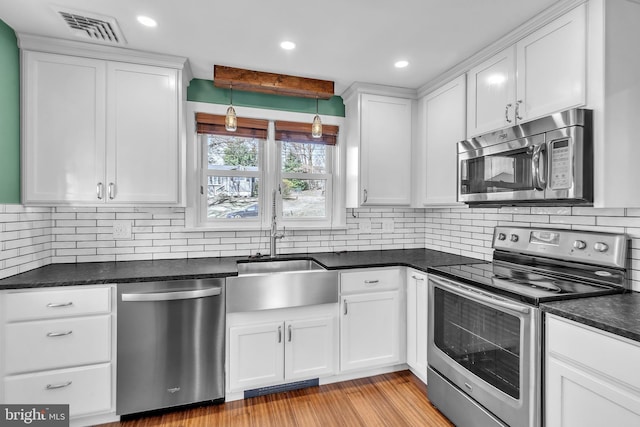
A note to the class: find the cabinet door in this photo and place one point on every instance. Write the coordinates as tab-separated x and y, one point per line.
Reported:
551	65
385	161
491	94
574	397
370	330
256	355
310	348
445	122
64	128
142	144
417	323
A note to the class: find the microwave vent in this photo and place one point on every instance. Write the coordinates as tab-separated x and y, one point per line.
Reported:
96	28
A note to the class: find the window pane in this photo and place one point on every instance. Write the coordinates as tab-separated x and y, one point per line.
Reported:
304	158
232	153
304	198
232	197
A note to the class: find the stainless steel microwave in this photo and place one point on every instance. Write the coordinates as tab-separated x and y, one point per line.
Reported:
548	161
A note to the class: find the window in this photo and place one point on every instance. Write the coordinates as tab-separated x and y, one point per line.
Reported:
242	171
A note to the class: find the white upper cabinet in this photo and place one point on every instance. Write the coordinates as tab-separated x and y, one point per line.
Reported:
63	129
491	93
442	118
551	66
142	147
542	73
97	131
614	91
379	137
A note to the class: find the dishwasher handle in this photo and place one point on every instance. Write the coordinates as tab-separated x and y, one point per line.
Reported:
172	295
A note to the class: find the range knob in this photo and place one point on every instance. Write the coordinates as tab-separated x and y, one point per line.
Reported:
514	237
502	236
579	244
601	247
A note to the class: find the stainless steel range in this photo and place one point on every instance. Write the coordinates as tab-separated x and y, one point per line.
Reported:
485	327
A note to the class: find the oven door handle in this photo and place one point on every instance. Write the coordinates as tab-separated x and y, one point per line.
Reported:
539	181
479	296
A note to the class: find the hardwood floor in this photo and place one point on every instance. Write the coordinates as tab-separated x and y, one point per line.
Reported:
396	399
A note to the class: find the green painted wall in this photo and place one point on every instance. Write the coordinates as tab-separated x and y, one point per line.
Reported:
203	91
9	116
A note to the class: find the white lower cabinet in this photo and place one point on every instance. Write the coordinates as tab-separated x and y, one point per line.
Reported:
371	328
264	352
58	347
417	323
85	389
591	379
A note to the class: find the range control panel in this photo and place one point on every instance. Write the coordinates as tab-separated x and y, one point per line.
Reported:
605	249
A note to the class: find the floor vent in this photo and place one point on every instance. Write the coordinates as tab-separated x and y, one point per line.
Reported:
97	28
281	387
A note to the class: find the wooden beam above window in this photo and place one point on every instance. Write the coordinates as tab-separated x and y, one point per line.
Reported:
276	84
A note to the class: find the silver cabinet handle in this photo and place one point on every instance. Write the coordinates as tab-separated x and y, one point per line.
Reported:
289	331
100	190
279	334
59	334
60	304
518	109
172	295
345	307
506	113
112	190
56	386
418	278
366	196
371	282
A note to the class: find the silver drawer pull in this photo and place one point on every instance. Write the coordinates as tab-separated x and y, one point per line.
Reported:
418	278
59	334
57	386
371	282
173	390
60	304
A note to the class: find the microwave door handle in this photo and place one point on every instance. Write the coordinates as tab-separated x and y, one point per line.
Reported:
539	181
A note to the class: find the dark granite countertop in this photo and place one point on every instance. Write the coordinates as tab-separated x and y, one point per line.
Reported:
618	314
200	268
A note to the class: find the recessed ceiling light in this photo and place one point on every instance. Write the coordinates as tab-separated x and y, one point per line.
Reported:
401	64
146	21
287	45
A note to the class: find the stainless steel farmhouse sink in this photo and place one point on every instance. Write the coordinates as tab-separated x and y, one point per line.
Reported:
266	285
278	266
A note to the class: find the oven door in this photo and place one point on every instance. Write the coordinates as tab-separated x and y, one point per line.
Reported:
508	171
488	347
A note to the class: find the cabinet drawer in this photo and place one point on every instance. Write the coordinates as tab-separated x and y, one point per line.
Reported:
56	303
585	345
86	390
370	280
51	344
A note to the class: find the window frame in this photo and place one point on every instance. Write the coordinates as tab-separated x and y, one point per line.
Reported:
270	158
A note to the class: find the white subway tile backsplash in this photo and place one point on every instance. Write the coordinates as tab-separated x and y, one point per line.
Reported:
32	237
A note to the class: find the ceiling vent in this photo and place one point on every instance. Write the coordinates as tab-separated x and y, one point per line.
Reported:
97	28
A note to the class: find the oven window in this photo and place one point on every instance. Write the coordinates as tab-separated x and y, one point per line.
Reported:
482	339
498	173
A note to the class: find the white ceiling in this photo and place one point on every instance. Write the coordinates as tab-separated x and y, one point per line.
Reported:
340	40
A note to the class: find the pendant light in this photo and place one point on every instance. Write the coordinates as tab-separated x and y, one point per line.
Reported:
231	120
316	126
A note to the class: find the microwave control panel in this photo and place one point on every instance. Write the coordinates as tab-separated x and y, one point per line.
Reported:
561	165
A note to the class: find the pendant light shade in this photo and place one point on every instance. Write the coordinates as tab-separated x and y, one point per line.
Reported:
231	120
316	126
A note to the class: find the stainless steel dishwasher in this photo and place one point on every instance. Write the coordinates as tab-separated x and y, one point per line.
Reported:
170	344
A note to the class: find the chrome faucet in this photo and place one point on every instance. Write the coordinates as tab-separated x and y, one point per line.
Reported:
274	235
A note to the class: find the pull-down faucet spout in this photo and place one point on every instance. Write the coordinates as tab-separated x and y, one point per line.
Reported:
274	235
